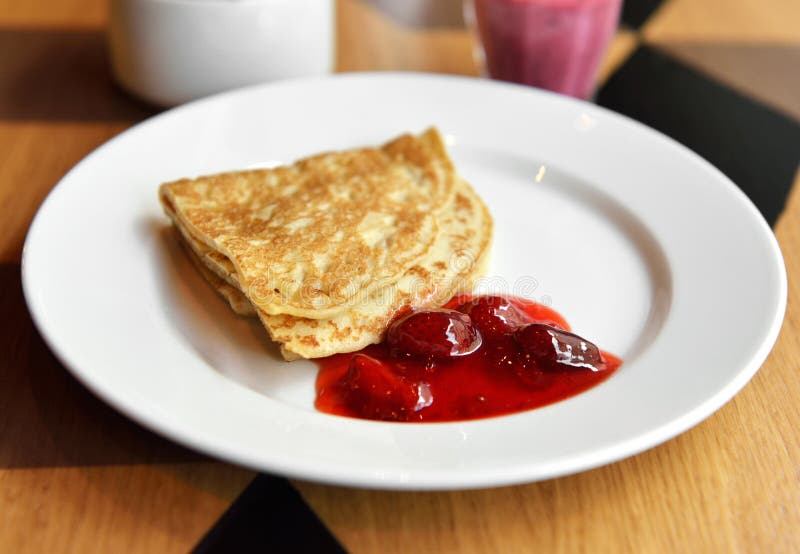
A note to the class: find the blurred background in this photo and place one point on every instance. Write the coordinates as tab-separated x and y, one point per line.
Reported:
54	58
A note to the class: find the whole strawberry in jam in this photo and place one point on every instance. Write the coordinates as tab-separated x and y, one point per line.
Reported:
487	356
554	349
434	334
374	391
494	316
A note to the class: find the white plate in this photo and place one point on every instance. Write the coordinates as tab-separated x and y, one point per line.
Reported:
642	245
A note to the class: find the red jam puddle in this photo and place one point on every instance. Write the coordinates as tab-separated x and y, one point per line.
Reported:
479	356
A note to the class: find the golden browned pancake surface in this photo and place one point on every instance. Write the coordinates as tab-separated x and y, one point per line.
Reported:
327	251
458	256
311	239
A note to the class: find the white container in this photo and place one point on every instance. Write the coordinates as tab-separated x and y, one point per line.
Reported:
172	51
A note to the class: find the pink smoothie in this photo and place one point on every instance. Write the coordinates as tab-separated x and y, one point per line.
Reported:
553	44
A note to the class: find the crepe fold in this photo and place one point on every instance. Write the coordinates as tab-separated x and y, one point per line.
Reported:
328	251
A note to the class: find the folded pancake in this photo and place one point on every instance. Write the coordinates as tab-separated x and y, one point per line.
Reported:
457	257
238	301
314	238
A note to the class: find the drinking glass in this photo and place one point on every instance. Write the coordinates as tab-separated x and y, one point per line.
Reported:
553	44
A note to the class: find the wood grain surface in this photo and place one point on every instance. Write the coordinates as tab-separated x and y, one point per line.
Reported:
77	477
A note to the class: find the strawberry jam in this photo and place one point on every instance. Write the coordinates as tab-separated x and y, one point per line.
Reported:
479	356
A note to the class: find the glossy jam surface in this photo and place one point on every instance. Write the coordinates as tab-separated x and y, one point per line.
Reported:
478	357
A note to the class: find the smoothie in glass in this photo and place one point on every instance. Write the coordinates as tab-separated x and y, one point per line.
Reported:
552	44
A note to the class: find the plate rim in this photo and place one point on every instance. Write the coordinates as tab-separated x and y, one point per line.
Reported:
611	453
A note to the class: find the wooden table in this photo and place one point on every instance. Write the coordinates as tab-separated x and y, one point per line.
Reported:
76	476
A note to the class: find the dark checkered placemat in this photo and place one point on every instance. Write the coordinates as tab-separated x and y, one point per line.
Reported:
636	12
269	516
756	146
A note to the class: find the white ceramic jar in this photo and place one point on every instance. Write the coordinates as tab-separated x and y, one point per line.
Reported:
172	51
